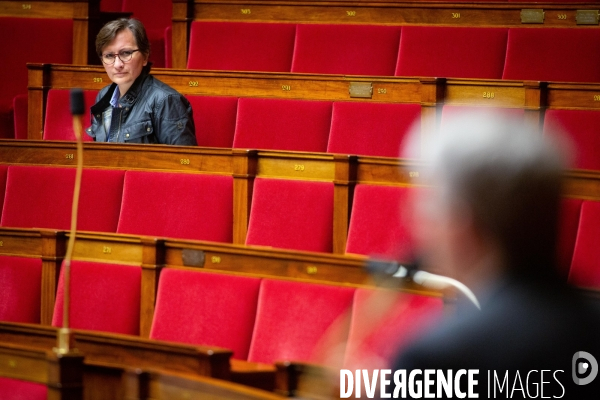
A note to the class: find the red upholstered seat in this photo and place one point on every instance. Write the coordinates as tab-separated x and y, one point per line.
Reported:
41	197
452	114
14	389
581	127
567	233
372	129
3	176
214	118
276	124
20	112
59	121
104	297
169	47
206	309
293	317
291	214
195	206
451	52
21	282
111	5
553	54
385	321
585	267
241	46
346	49
378	225
33	40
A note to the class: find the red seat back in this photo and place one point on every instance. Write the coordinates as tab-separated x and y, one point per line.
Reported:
291	214
372	129
567	234
206	309
378	225
14	389
21	283
385	321
3	176
59	121
104	297
292	317
214	118
195	206
585	267
346	49
452	52
275	124
553	54
41	197
241	46
581	127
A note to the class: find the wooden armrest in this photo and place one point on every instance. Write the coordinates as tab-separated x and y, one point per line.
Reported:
257	375
305	380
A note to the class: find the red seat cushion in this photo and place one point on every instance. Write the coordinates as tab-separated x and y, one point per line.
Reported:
372	129
214	118
14	389
275	124
104	297
241	46
21	283
292	317
346	49
207	309
195	206
291	214
581	127
585	267
59	121
385	321
379	225
41	197
553	54
567	234
20	111
451	52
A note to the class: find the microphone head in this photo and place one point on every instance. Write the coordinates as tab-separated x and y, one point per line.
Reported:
77	106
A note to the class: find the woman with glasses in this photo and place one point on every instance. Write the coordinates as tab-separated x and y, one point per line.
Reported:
136	107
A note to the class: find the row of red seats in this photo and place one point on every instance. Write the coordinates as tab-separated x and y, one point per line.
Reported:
362	128
287	214
541	54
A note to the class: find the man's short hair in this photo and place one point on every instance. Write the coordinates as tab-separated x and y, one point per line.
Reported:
109	31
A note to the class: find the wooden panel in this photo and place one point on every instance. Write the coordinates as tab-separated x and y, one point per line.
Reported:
573	96
467	92
22	363
38	9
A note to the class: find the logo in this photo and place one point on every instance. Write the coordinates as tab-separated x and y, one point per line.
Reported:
584	364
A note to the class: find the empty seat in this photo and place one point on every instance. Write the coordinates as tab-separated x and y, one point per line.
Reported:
33	40
20	113
581	127
241	46
276	124
452	52
379	225
214	118
207	309
293	317
58	123
585	267
104	297
21	283
385	321
291	214
553	54
177	205
346	49
372	129
41	197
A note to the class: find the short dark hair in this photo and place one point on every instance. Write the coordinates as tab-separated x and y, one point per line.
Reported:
109	31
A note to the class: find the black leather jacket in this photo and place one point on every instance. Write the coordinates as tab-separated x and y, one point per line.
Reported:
151	112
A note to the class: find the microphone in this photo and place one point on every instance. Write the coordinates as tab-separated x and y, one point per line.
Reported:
65	338
392	269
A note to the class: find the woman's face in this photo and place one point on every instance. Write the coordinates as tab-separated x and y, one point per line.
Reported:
124	73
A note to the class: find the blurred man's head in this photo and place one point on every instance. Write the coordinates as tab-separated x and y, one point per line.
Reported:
494	204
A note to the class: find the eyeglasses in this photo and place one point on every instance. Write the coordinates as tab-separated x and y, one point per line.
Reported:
124	56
